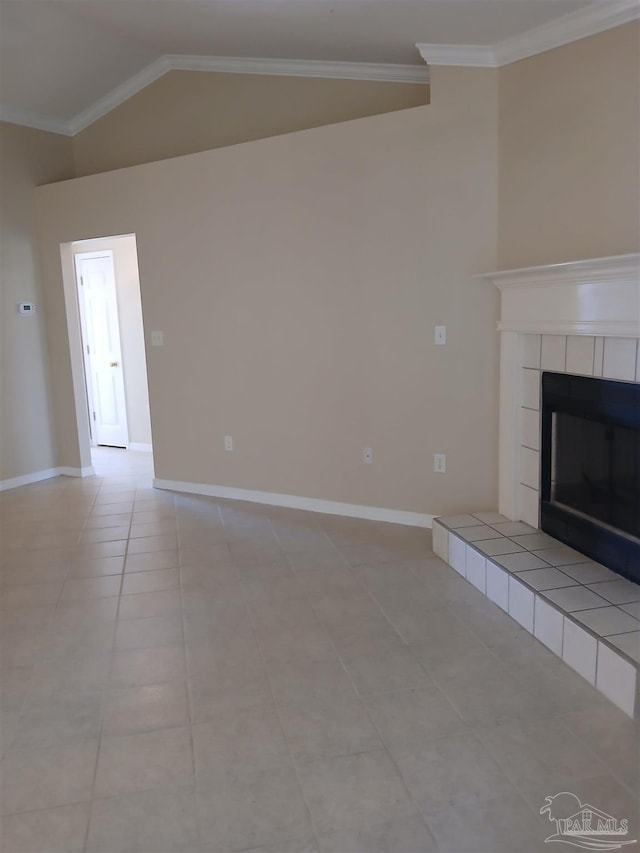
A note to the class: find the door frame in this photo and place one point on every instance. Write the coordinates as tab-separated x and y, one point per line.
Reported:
78	257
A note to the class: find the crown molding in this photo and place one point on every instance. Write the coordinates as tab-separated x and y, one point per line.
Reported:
302	68
245	65
564	30
37	122
569	28
469	55
149	74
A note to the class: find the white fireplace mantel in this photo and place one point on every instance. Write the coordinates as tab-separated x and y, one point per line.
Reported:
594	297
598	297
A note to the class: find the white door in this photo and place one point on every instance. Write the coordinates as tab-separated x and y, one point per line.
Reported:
102	354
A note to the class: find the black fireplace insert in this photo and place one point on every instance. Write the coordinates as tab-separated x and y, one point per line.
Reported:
590	468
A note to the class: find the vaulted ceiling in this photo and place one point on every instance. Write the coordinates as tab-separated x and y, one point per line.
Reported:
58	57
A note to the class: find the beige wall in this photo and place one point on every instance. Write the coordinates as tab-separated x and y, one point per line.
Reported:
569	151
134	362
188	111
297	281
27	440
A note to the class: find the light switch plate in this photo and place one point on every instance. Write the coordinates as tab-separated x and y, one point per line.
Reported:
440	335
157	339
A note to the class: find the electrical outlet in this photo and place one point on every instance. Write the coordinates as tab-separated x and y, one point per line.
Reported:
367	455
439	463
228	443
440	335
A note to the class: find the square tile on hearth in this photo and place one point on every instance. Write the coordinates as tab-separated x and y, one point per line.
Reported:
535	541
574	598
617	592
589	572
633	609
520	562
548	578
628	643
607	620
490	517
493	547
453	522
514	528
561	556
478	532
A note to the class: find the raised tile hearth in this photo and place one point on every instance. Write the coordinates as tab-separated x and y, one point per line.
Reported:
583	612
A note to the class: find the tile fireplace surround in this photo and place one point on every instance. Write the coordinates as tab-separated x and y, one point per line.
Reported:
579	318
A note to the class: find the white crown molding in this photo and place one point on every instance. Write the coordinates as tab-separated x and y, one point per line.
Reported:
37	122
372	513
468	55
119	95
302	68
244	65
569	28
594	19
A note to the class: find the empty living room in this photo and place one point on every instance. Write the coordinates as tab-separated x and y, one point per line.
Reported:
319	426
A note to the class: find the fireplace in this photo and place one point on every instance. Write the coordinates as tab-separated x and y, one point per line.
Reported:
590	468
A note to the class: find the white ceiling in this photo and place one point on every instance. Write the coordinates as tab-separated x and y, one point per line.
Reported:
58	57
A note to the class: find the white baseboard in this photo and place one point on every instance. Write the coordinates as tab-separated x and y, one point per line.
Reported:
140	448
37	476
87	471
27	479
372	513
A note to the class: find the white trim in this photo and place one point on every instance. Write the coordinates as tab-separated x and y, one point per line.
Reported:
373	513
601	270
471	55
583	23
87	471
149	74
568	28
140	447
599	328
372	71
597	297
47	474
27	479
244	65
37	122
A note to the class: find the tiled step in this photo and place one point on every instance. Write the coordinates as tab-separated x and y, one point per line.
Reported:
586	614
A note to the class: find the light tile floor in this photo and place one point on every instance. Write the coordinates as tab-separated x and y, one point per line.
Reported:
184	674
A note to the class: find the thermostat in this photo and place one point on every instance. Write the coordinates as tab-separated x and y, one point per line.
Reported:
26	308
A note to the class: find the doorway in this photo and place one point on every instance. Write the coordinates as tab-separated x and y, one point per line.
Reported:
112	346
101	348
